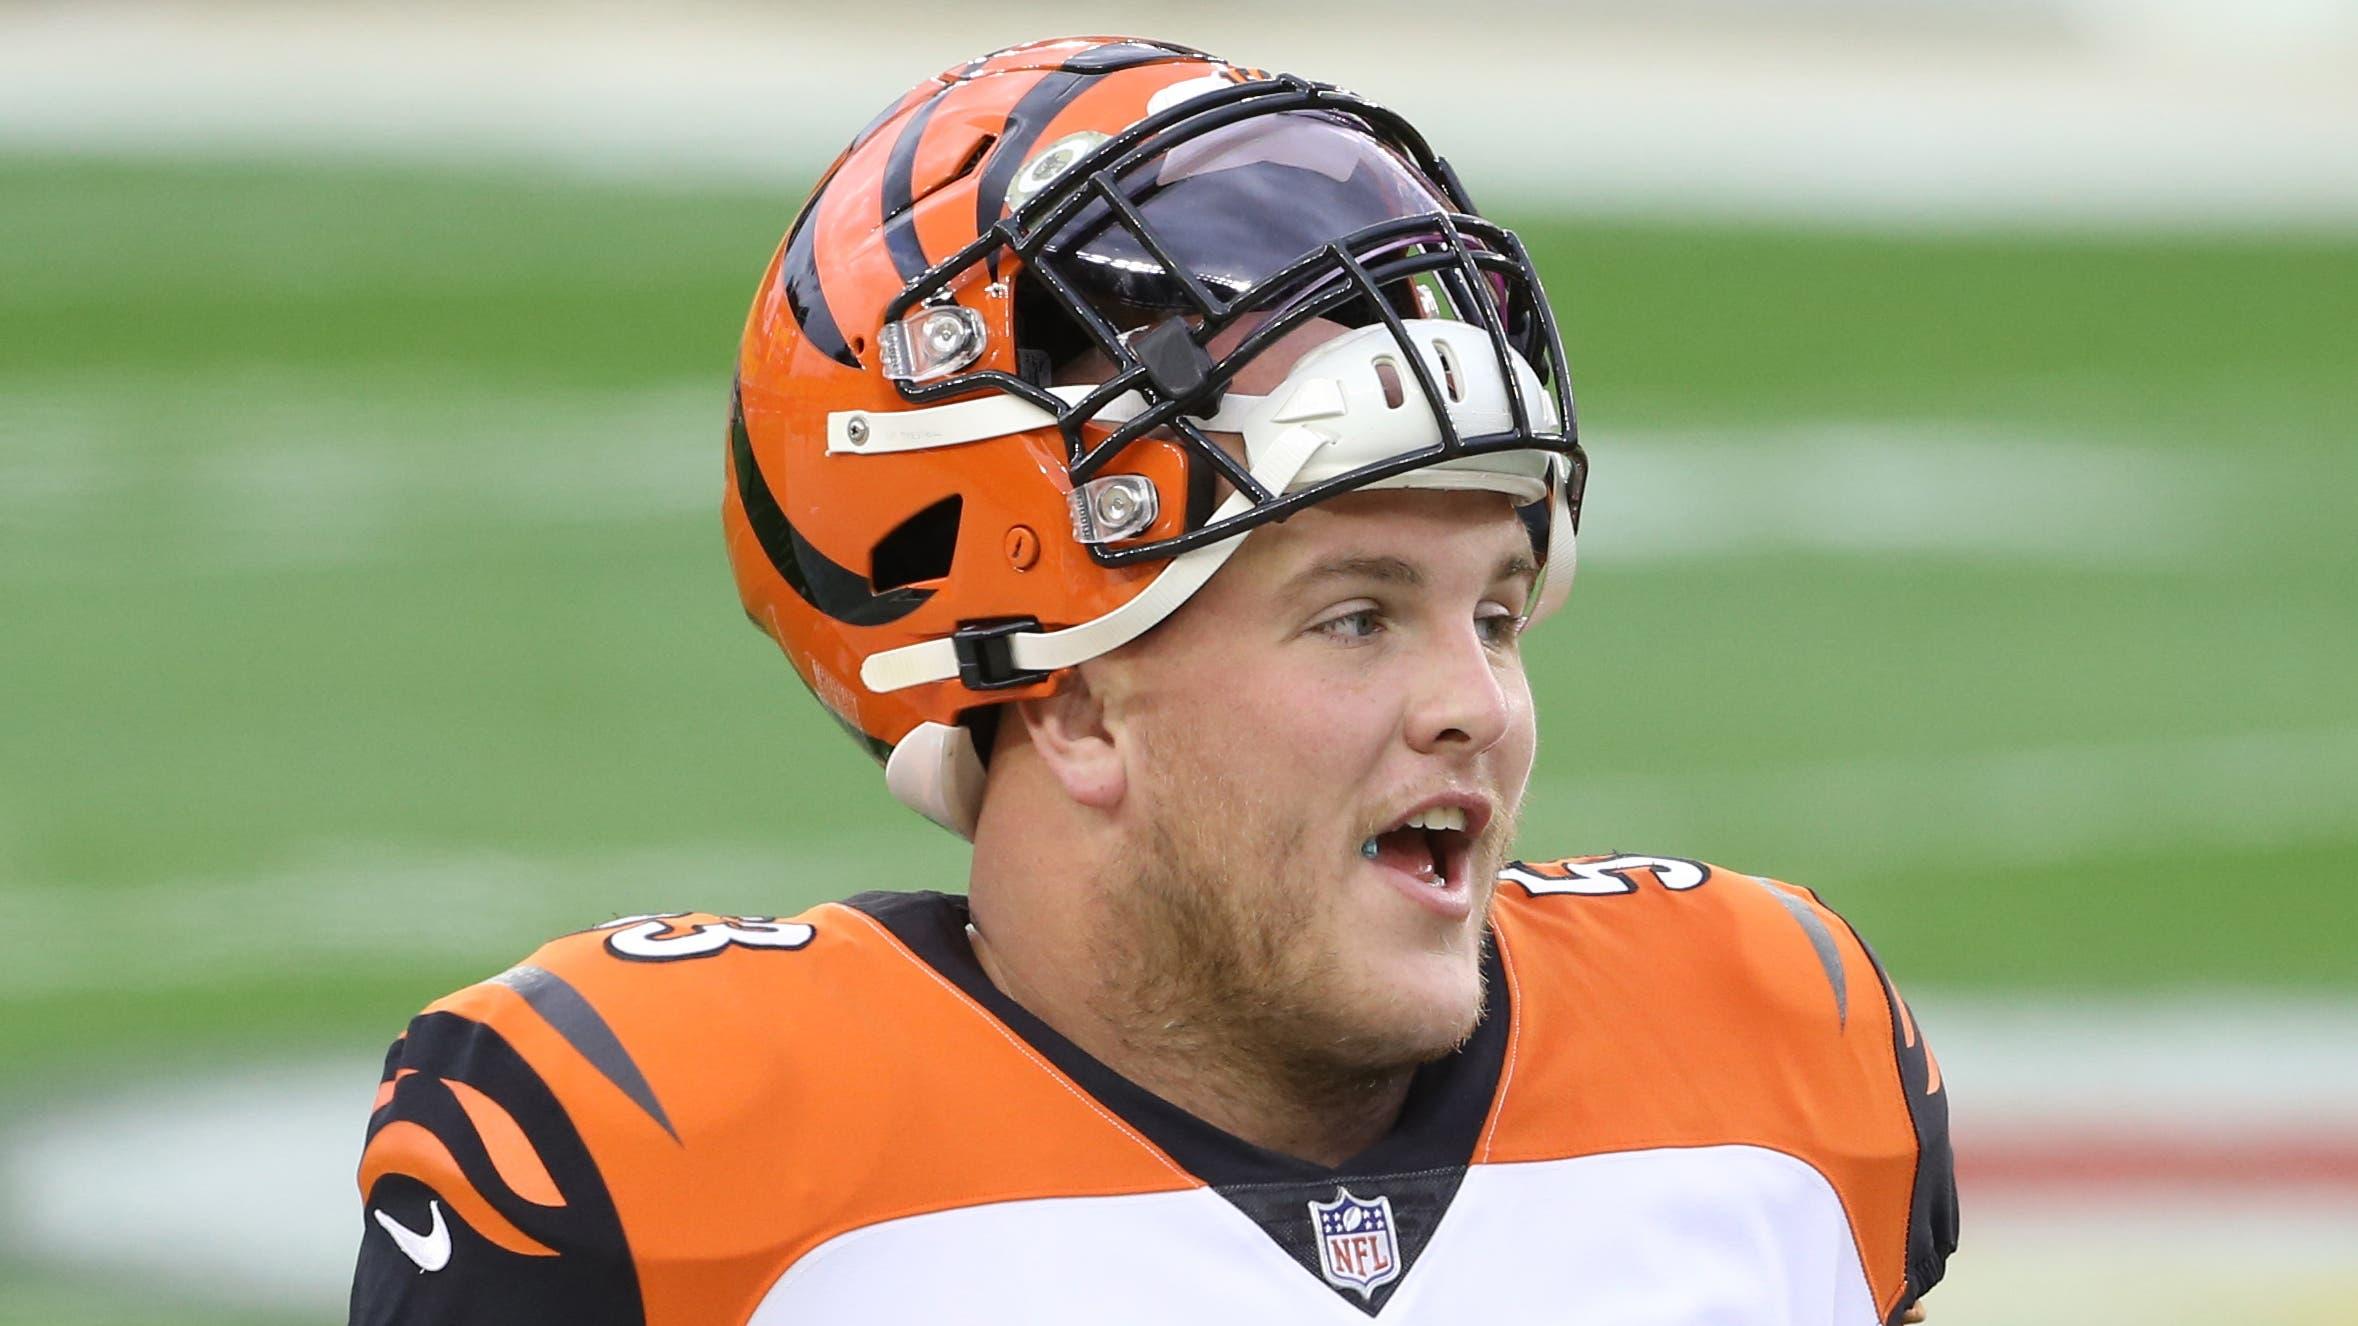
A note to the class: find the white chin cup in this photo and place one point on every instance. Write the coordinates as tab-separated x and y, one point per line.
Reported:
1351	402
1359	390
936	771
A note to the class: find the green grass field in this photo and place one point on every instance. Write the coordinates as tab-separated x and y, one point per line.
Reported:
366	619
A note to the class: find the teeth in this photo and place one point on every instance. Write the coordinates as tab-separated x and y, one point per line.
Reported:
1433	877
1442	817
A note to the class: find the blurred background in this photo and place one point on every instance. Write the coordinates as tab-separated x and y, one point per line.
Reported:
1972	387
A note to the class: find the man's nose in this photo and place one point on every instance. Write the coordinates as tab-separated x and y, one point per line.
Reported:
1461	702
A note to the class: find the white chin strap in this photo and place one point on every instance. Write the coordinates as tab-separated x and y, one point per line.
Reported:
1348	403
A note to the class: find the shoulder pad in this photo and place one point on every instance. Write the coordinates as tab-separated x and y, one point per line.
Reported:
1676	1003
658	1018
1767	944
748	1088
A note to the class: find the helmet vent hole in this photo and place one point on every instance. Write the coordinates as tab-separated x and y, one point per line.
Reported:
927	179
1450	381
919	548
1388	373
974	156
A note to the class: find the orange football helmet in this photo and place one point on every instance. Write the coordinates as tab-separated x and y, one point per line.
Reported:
931	524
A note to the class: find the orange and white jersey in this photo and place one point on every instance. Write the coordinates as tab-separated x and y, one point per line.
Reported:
1694	1098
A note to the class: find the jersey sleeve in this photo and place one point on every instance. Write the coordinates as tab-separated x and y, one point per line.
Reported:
1932	1212
1932	1207
481	1203
1680	1004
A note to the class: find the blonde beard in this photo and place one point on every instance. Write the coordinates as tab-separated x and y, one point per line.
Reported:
1211	955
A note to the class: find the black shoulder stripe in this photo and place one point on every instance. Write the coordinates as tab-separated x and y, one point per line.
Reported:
477	1280
900	217
838	591
1821	941
1932	1203
798	273
562	1007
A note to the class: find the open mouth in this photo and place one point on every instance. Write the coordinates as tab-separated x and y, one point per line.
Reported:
1430	846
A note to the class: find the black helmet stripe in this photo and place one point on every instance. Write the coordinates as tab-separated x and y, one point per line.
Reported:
1031	116
900	217
838	591
883	118
1129	54
799	274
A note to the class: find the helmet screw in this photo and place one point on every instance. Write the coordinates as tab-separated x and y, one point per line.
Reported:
1023	547
855	430
1115	506
946	334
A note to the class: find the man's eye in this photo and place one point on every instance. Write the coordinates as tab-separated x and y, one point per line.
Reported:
1502	629
1361	625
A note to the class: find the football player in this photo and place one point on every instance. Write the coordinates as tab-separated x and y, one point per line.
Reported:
1156	464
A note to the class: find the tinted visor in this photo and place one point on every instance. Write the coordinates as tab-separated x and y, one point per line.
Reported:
1237	205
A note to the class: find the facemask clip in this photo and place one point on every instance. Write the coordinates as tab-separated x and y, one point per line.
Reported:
931	343
1117	506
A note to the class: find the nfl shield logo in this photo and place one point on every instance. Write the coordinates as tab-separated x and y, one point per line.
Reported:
1356	1246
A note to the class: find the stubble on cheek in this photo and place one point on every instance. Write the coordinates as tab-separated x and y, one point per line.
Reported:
1224	944
1210	942
1209	945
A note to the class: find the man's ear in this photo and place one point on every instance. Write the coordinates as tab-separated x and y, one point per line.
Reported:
1068	731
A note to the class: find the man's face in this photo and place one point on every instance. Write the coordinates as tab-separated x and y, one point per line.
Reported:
1347	670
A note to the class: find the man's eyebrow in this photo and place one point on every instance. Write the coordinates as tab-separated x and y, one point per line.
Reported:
1384	570
1399	571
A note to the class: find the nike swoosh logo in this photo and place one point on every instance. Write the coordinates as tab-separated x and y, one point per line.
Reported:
430	1250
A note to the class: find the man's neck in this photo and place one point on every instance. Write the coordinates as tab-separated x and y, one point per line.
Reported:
1302	1111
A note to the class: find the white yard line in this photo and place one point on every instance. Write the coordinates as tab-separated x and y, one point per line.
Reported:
331	902
2208	1062
238	1186
266	475
1950	115
1912	489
